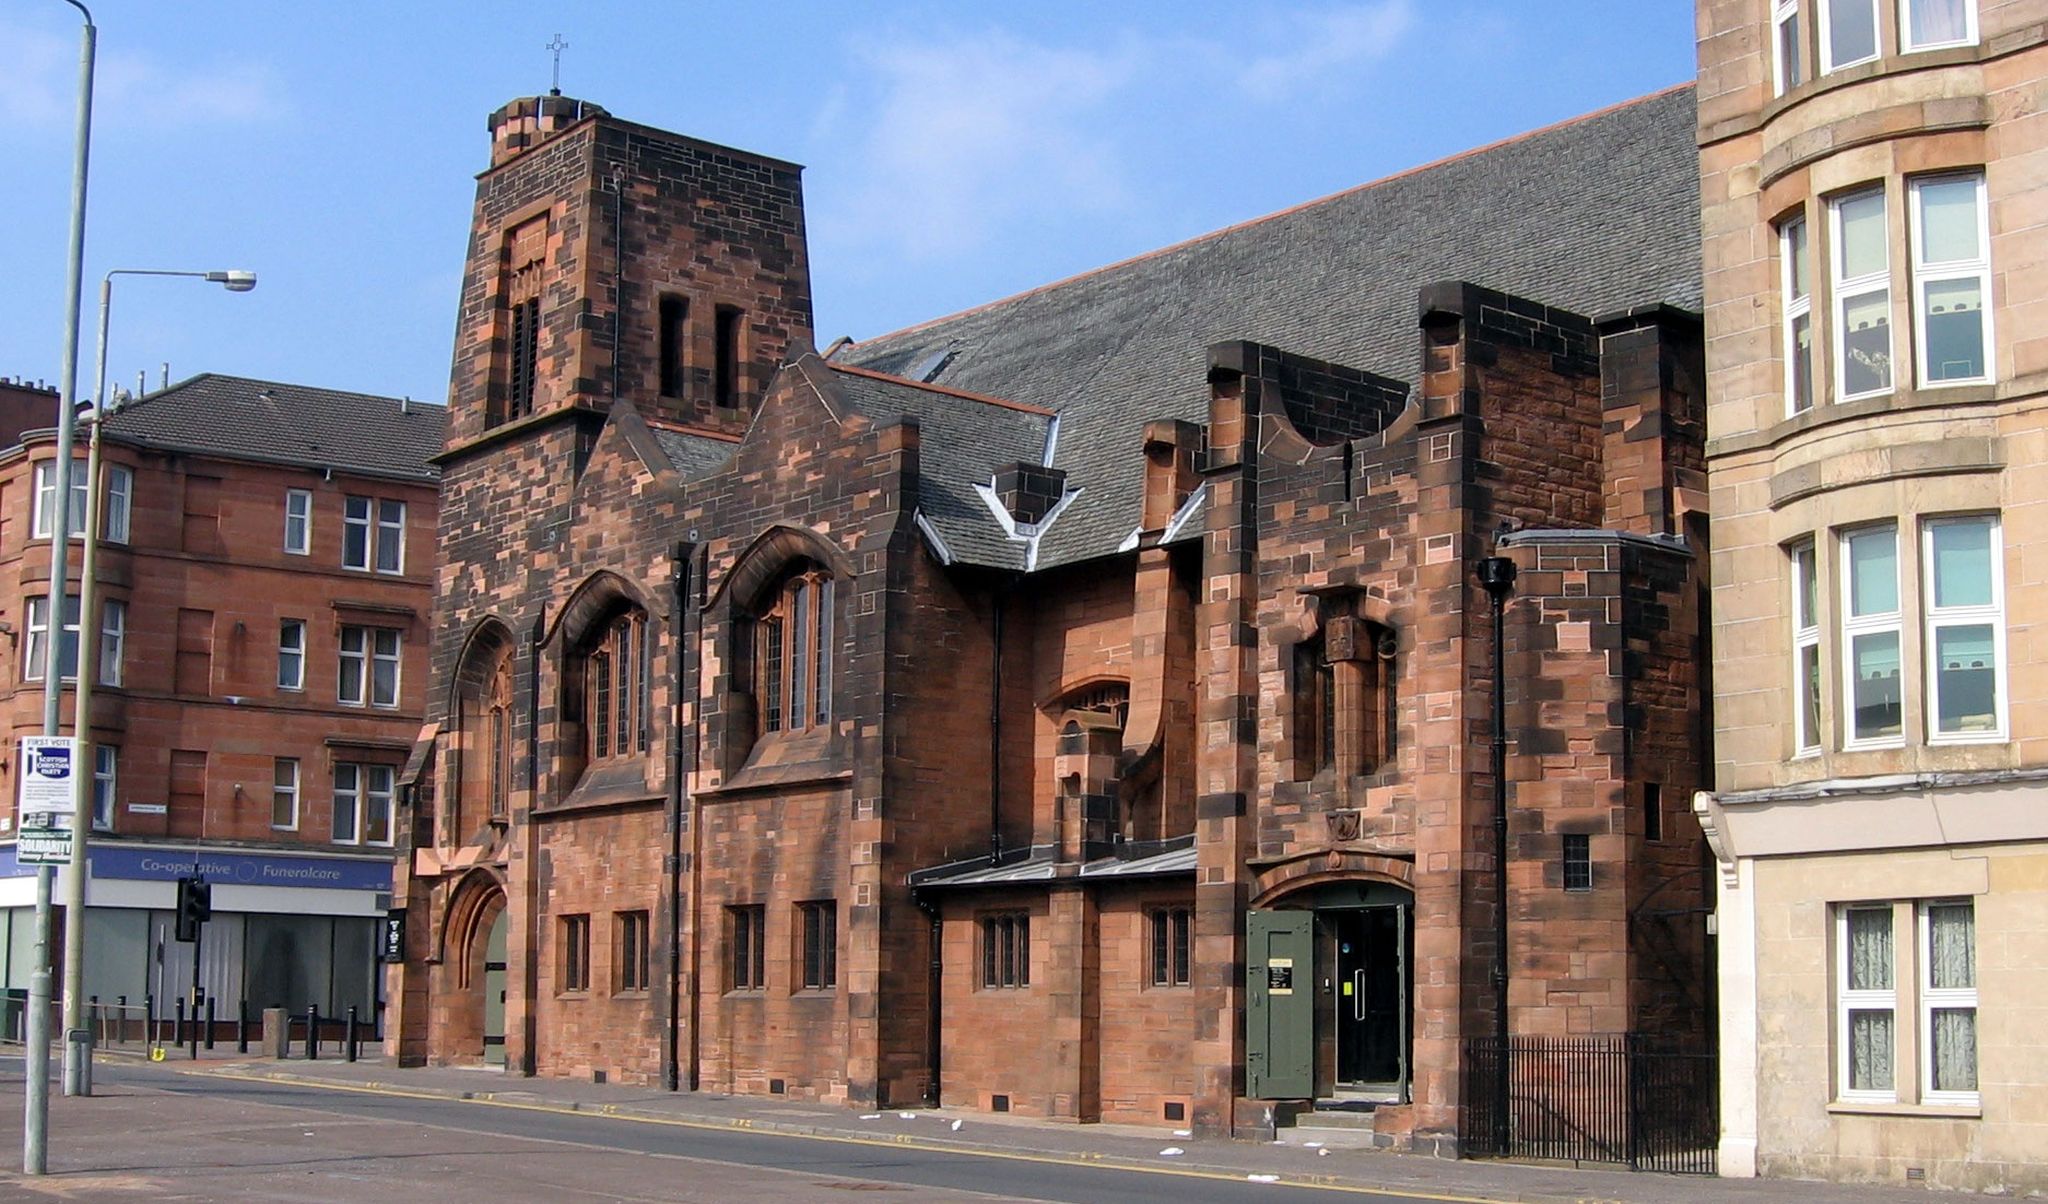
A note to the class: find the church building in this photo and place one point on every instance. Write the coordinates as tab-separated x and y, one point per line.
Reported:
1081	706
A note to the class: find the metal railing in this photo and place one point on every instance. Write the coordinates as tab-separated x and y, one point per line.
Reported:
1630	1099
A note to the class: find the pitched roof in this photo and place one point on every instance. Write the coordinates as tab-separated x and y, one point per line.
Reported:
275	423
693	455
963	441
1595	215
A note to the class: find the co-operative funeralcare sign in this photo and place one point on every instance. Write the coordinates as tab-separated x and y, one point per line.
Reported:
231	869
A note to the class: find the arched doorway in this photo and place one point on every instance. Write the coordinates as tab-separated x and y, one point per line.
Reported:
472	976
1331	1010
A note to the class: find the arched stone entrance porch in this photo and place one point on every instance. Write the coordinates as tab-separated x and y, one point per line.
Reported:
468	971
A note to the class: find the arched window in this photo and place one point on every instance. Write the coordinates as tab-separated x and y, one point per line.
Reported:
498	738
793	653
480	781
615	671
1345	713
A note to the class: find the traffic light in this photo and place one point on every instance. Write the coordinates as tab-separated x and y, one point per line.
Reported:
195	907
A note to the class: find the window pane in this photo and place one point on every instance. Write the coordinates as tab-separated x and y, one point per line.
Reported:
1955	328
1862	232
1870	949
1965	660
1932	22
1870	1050
1852	30
1805	584
355	546
1873	572
1955	1049
1948	220
1809	696
1952	947
1875	662
1788	50
1867	342
1802	363
1798	271
1962	562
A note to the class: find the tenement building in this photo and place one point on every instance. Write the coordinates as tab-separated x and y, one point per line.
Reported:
258	654
1079	706
1875	183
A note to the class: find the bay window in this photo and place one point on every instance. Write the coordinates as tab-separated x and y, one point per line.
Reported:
1787	68
36	645
1933	24
1871	634
1848	33
1862	295
1795	257
1806	647
1965	628
1951	279
116	501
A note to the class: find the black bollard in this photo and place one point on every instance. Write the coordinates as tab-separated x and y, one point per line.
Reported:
209	1022
177	1023
242	1026
349	1036
148	1019
312	1032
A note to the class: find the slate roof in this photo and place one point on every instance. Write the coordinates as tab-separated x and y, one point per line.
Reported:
962	442
275	423
693	455
1595	215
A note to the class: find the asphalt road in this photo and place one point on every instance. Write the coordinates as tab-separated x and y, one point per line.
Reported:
154	1134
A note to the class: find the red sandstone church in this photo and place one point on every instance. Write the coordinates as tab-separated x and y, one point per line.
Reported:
1079	706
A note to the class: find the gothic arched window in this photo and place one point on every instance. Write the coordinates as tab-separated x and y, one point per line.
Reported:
616	665
793	653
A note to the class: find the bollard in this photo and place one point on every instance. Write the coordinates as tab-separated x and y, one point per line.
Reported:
149	1018
277	1033
312	1032
177	1023
348	1047
242	1026
209	1022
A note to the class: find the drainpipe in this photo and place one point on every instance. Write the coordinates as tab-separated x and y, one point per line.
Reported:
678	674
995	735
934	981
1497	577
530	978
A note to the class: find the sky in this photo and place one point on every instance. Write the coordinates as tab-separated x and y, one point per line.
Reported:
955	152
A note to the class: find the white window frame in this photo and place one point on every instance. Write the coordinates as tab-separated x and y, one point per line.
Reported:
287	793
288	647
1796	307
119	502
1933	999
358	802
1805	561
1937	617
106	764
298	508
362	651
1847	289
365	524
1853	625
41	518
394	529
113	641
1826	35
1867	1000
1906	45
1925	274
1782	13
35	637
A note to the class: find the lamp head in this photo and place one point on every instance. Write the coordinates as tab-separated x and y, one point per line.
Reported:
235	281
1496	575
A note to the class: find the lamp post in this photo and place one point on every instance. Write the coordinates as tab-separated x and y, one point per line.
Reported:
36	1058
1497	577
77	1046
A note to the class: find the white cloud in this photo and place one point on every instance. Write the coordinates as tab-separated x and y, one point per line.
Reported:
130	91
966	133
1327	41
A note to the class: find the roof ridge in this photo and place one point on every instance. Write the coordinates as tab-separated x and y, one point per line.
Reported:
1312	203
927	386
285	384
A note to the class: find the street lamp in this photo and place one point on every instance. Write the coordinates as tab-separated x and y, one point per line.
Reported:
77	1046
1496	575
36	1058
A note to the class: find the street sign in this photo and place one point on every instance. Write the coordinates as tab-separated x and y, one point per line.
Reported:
46	799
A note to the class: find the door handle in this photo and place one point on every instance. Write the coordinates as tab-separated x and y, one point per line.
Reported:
1358	994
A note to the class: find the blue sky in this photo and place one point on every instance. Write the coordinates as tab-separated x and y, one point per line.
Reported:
955	152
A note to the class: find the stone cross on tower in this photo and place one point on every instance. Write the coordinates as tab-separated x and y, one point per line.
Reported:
558	46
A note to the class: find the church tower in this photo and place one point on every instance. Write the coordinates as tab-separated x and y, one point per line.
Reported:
609	259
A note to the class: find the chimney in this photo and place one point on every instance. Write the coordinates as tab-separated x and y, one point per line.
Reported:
1030	491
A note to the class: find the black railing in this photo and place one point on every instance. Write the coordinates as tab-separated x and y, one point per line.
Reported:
1630	1099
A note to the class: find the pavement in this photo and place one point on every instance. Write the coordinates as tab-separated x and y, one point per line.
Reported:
1306	1158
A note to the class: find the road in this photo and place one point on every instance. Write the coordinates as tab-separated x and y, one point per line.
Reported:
153	1133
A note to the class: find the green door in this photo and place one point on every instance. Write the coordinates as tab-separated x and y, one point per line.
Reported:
1279	1012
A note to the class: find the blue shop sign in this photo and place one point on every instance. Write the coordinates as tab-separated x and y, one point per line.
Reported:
225	869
